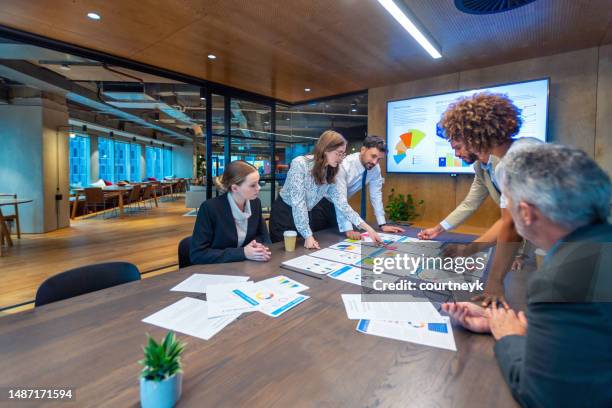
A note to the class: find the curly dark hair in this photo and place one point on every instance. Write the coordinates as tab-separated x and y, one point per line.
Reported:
481	121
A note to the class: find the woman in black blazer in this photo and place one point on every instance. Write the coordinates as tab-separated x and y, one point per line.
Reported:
231	228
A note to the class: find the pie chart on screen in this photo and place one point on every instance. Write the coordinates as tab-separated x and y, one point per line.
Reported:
408	140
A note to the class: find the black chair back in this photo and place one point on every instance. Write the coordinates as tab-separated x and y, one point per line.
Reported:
85	279
183	252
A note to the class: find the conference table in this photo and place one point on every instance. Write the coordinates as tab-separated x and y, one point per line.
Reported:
310	356
110	191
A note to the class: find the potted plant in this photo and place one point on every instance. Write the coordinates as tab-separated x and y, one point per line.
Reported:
161	377
401	208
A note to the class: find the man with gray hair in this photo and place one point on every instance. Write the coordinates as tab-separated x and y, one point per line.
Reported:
558	353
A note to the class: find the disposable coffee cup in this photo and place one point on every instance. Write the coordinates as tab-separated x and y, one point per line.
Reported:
539	254
290	237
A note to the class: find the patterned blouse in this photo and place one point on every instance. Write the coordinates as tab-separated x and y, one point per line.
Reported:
301	193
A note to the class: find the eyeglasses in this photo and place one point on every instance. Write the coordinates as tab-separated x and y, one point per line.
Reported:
339	155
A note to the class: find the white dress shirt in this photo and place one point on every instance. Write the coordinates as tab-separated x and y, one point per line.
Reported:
348	182
241	219
302	193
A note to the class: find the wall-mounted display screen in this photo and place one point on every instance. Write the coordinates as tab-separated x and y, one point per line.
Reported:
412	140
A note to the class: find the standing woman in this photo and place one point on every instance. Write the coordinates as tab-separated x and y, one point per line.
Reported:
231	228
310	179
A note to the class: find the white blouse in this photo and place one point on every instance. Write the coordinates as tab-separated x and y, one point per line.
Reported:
302	193
240	218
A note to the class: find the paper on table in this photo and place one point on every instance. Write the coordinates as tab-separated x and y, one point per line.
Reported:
189	316
438	334
282	283
347	273
354	275
226	299
198	282
387	238
337	256
274	296
312	264
418	311
354	247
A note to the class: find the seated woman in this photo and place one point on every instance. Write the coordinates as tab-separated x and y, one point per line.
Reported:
311	178
216	239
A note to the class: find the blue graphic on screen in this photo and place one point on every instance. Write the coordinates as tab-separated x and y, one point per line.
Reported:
416	142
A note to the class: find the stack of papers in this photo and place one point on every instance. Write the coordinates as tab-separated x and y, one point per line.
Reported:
438	335
190	316
416	322
198	282
311	264
272	297
227	298
335	255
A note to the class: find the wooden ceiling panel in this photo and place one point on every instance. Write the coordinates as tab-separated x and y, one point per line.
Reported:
279	48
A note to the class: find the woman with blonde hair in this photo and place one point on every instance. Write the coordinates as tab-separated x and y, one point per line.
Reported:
311	178
216	239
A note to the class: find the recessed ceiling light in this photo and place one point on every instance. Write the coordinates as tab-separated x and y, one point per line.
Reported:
93	16
72	135
306	89
353	110
212	56
405	21
202	98
287	119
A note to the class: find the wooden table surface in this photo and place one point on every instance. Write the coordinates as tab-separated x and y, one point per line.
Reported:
310	356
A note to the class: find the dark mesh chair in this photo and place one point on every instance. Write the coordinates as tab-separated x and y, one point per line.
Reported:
85	279
183	252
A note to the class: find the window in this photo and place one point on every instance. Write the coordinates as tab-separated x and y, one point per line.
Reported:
121	161
167	159
79	161
118	160
159	162
154	162
134	162
105	159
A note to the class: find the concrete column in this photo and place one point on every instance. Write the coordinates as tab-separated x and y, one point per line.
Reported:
34	159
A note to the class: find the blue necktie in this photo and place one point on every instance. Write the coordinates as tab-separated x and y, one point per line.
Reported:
363	195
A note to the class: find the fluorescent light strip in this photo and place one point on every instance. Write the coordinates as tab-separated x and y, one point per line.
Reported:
401	18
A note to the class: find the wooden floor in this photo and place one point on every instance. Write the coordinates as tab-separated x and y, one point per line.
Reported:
148	241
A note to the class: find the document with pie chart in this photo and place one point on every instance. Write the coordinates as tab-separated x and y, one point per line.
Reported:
274	296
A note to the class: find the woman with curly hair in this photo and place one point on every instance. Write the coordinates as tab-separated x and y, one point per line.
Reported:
482	128
310	179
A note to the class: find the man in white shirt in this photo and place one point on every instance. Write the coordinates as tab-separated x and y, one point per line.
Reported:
357	170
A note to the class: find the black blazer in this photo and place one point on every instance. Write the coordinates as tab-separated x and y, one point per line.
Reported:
215	238
565	360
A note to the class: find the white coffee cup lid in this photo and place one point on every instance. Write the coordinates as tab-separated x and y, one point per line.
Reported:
290	234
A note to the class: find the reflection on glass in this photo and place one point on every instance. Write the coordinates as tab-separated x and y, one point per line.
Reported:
218	124
79	161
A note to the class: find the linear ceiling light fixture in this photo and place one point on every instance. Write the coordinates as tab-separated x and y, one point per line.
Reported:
409	26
